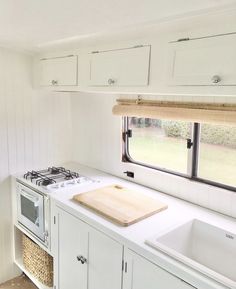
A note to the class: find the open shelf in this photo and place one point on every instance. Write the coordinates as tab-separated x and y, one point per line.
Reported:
19	263
18	259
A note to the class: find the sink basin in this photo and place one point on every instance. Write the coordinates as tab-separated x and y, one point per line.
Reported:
206	248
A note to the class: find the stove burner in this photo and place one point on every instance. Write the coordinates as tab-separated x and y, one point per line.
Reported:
50	176
31	175
34	174
47	182
54	171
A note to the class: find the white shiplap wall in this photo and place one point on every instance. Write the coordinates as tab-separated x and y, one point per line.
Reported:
34	133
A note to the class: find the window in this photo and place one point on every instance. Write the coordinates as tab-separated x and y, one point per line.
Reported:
217	154
159	143
203	152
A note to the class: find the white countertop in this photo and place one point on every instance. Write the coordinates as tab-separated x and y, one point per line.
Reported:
134	236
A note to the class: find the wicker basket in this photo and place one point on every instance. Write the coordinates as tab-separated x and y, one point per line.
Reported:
37	261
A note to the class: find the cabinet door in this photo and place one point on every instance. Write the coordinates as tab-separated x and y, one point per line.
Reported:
103	266
206	61
58	71
124	67
72	243
105	262
142	274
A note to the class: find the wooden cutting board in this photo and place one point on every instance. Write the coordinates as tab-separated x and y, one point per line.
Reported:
120	204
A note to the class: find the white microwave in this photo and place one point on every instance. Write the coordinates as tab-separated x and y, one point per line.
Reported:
33	212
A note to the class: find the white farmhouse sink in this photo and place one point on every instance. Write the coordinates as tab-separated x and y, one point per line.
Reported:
204	247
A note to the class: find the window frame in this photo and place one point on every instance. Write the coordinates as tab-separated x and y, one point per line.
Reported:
193	157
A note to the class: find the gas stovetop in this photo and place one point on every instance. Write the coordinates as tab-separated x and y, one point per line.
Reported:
54	178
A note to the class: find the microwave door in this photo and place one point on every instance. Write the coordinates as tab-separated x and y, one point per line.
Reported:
30	208
31	213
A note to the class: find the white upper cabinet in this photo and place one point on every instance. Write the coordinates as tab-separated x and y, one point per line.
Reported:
58	71
140	273
204	61
122	67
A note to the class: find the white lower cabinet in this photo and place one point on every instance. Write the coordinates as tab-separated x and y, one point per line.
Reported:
87	258
140	273
73	239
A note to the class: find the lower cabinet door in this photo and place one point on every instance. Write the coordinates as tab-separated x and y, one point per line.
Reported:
87	258
72	252
139	273
105	262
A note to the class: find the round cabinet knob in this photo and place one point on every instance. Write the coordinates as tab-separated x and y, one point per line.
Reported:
216	79
54	82
81	259
111	81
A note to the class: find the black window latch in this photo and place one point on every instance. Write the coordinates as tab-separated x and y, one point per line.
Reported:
189	143
129	133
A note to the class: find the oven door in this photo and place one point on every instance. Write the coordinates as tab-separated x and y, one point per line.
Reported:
30	210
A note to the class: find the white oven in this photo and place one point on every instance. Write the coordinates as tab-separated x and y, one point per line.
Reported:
33	212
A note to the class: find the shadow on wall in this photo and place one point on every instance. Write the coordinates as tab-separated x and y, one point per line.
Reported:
7	270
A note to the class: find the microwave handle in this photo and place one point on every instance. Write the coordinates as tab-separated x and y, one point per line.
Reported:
30	197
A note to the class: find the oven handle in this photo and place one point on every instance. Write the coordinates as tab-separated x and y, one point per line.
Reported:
30	197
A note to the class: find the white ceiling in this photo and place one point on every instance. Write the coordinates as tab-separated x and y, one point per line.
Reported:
31	24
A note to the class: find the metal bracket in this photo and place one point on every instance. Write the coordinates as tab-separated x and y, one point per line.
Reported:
138	46
129	174
127	133
183	39
81	259
139	99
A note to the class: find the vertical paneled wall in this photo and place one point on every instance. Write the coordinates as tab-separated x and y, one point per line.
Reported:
34	133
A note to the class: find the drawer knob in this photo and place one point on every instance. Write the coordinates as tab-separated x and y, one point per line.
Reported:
81	259
216	79
54	82
111	81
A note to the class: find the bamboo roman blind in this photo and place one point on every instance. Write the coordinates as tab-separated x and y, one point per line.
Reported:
186	111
